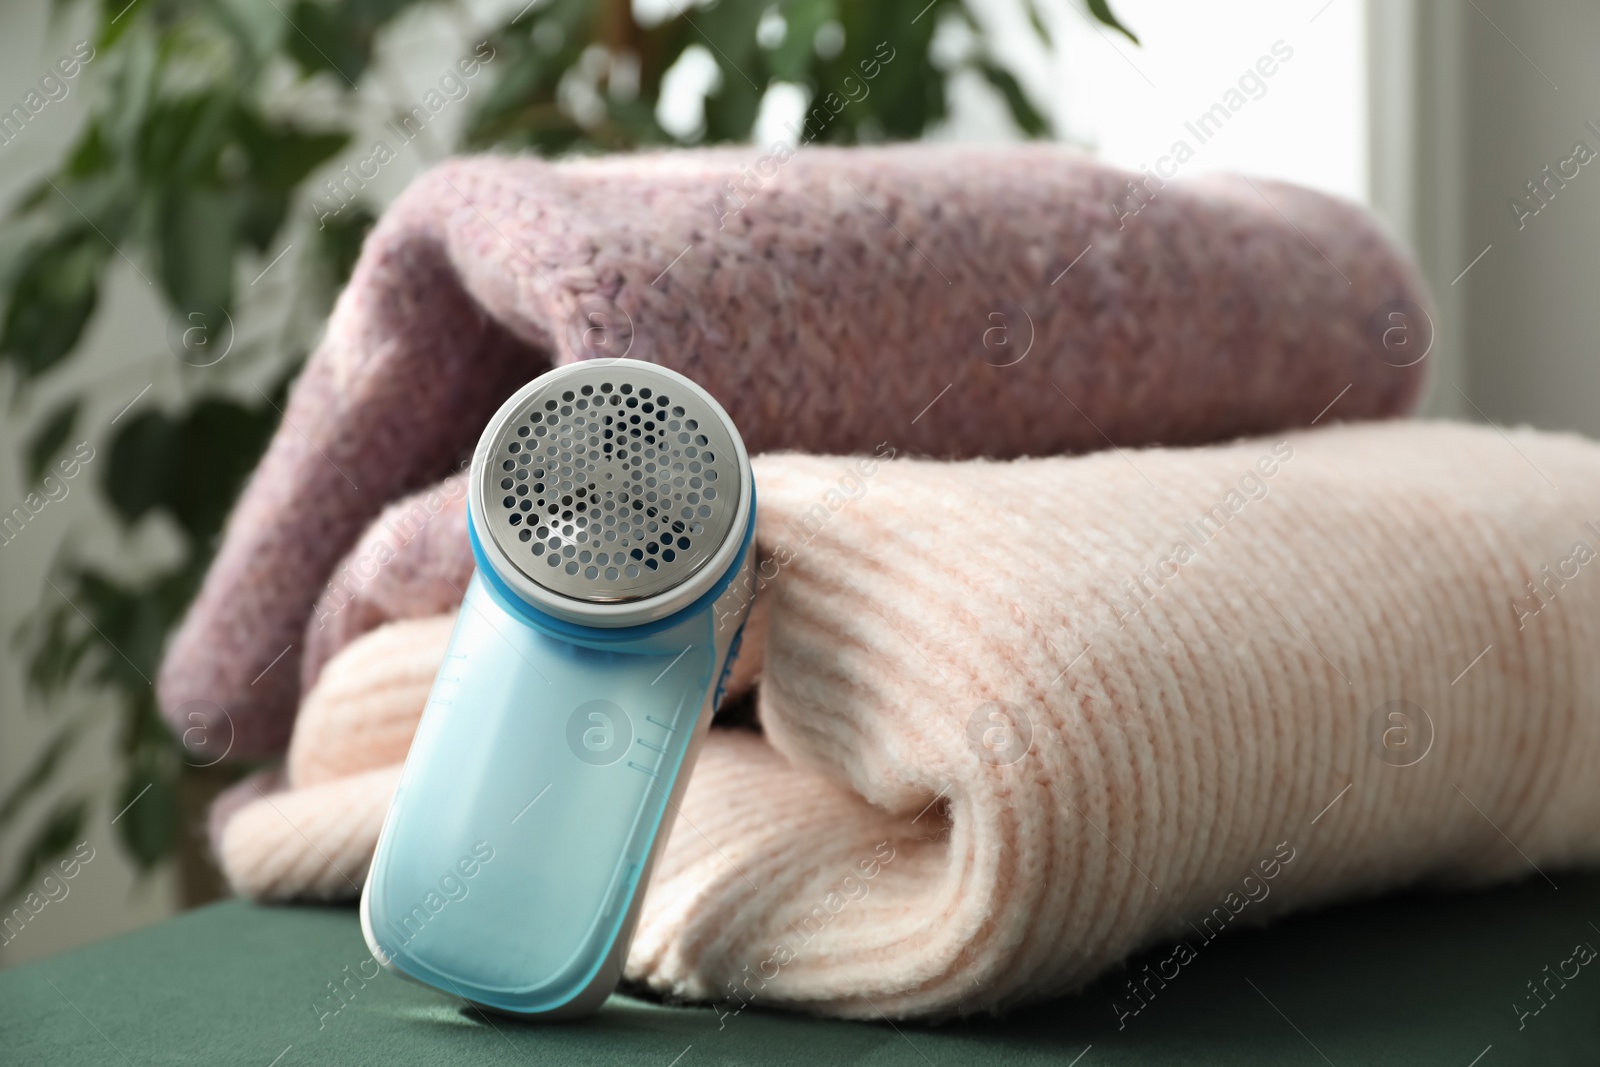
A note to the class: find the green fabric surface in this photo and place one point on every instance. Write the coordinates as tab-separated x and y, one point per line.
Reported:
1416	979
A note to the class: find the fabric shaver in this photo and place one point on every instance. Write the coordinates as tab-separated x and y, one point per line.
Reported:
611	510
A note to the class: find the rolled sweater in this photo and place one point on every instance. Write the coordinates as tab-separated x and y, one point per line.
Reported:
1022	719
994	301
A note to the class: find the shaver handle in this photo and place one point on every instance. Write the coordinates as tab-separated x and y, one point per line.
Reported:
540	786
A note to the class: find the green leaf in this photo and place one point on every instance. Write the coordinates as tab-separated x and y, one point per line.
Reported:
139	472
1022	110
191	465
48	439
277	159
183	138
149	823
323	40
728	29
889	52
340	240
1101	10
59	832
54	295
339	36
56	642
197	247
794	57
280	157
1036	20
731	111
37	775
127	632
219	442
111	27
131	92
90	155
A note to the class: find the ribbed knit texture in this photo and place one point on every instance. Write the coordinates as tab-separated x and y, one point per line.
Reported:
875	851
852	291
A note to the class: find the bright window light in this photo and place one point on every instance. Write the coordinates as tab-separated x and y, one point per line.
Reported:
1198	79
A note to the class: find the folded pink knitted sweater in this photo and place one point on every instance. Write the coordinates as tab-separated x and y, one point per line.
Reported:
995	301
1021	719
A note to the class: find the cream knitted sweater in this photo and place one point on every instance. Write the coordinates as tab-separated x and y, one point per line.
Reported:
1021	719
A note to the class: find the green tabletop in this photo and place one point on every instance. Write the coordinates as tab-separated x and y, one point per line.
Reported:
1417	979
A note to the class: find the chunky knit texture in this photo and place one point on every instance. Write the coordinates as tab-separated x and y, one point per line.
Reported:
853	290
1023	718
